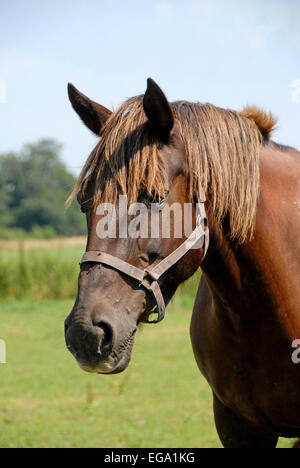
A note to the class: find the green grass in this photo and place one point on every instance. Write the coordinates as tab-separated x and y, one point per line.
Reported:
45	273
47	401
39	273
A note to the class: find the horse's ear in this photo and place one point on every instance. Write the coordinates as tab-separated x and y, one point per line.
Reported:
158	109
91	113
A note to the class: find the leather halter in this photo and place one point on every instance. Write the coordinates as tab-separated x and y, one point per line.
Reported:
148	278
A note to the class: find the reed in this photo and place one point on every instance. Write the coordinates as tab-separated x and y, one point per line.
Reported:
39	273
50	272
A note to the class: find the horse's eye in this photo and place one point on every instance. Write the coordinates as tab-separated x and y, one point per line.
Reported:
82	206
83	202
161	203
156	200
79	198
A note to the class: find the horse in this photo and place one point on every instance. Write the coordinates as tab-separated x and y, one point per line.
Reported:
246	317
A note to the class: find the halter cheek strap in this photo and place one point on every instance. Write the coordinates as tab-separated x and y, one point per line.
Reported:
149	277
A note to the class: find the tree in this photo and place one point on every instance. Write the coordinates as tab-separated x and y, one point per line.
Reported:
34	185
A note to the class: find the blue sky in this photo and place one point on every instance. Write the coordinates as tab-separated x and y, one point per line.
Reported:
231	53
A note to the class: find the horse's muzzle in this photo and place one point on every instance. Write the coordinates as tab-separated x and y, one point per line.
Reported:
95	348
90	344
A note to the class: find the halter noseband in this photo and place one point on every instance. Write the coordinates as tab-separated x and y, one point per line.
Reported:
148	278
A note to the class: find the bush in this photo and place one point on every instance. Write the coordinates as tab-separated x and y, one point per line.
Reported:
42	232
12	234
34	185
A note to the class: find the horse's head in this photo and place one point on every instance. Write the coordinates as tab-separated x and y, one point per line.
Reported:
140	154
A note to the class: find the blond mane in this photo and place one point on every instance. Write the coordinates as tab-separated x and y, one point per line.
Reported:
222	151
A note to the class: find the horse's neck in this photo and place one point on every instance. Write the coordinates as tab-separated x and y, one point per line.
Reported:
261	277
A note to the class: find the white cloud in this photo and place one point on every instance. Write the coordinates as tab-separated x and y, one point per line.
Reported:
164	9
2	92
251	20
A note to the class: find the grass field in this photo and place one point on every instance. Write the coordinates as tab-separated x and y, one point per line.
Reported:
40	271
47	401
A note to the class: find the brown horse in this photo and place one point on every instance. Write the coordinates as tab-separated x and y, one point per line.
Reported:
247	310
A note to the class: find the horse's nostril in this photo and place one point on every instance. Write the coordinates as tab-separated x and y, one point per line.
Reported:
72	351
67	324
106	343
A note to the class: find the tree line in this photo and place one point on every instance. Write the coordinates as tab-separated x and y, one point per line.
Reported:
34	184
